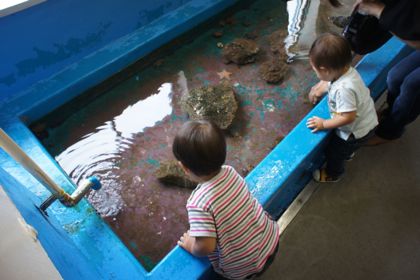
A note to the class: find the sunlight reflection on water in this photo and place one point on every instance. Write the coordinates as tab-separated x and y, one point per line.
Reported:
98	153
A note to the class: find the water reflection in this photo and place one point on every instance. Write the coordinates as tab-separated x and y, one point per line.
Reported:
99	153
308	19
144	113
296	11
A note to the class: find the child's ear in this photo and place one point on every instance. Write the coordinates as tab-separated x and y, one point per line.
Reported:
323	69
186	170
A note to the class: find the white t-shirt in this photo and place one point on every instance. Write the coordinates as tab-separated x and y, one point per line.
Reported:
347	94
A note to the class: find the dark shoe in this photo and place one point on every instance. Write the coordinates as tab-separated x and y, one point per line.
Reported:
351	157
321	176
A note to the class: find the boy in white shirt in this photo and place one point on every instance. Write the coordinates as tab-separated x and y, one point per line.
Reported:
353	115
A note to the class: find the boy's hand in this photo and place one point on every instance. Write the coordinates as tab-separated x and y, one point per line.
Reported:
187	242
317	92
315	123
199	246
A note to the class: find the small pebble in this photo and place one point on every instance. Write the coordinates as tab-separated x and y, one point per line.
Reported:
217	34
158	62
230	20
251	35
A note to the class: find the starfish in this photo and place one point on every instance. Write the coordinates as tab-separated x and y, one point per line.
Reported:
224	75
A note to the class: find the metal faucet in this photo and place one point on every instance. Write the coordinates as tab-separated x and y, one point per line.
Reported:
11	148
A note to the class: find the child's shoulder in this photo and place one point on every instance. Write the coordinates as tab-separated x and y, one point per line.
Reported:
230	170
208	191
354	76
351	81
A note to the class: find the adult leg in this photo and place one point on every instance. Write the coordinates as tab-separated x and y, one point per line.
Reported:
404	100
398	73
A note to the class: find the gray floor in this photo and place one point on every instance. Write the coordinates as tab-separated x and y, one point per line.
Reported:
365	227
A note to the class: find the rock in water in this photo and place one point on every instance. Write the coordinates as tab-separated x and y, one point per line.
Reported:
213	103
240	51
273	72
171	173
277	43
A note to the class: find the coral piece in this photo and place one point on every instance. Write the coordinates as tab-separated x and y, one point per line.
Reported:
277	43
171	173
240	51
251	35
273	72
214	103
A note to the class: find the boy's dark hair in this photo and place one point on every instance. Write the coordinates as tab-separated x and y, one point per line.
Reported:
201	147
331	51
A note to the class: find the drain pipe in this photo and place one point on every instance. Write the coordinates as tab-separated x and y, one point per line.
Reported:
11	148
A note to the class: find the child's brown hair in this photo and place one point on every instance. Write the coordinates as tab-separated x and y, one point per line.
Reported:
330	51
201	147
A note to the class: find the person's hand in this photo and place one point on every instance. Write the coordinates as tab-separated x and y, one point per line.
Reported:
370	7
187	242
317	92
358	2
315	123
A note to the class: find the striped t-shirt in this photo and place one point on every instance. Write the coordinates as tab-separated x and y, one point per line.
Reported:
224	208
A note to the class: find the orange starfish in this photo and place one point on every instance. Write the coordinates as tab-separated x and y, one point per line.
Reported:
224	75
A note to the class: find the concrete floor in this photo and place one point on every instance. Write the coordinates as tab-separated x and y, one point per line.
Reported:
21	254
365	227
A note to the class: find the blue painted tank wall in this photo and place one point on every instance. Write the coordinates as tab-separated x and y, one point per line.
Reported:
50	233
45	38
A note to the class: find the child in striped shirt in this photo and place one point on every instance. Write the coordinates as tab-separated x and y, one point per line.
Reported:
227	223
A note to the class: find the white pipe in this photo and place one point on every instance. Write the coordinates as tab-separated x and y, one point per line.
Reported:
10	147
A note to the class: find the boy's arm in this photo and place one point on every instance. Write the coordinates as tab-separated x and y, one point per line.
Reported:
338	120
318	91
199	246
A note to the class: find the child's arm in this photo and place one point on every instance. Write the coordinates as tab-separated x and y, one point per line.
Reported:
198	246
318	91
338	120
